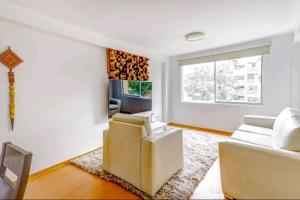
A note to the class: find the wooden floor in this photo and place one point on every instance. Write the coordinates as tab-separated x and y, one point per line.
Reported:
70	182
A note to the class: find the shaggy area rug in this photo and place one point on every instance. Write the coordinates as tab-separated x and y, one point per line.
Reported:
200	151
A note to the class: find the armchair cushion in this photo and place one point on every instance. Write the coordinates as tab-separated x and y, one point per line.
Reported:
134	119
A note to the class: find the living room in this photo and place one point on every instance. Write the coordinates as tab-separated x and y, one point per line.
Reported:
128	99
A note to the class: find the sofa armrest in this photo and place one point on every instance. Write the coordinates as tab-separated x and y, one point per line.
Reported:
252	172
262	121
162	157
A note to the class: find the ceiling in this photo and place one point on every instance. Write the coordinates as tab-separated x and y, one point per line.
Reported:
160	25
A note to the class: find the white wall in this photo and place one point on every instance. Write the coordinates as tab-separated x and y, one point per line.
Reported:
61	94
156	76
276	89
296	70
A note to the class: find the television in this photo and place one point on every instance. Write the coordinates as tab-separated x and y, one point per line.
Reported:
129	96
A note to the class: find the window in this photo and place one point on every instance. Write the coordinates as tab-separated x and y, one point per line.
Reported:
224	81
198	82
141	89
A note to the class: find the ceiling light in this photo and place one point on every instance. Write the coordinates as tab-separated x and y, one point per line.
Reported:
194	36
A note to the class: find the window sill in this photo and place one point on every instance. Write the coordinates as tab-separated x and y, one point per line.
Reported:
226	104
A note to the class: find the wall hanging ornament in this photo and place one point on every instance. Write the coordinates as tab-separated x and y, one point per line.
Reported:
126	66
11	60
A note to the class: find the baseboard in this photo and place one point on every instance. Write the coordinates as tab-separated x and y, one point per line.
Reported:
56	166
208	130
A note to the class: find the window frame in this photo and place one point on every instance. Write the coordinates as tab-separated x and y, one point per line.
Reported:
215	85
132	95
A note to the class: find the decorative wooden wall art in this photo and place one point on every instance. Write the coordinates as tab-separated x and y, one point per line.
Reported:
126	66
11	60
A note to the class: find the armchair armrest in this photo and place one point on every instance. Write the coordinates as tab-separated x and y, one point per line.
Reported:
162	157
262	121
114	101
251	172
105	162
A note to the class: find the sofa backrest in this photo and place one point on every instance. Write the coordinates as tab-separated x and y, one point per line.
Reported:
134	119
124	150
287	130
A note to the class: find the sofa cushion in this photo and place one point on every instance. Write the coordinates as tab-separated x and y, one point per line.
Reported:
134	119
253	138
284	115
287	133
256	129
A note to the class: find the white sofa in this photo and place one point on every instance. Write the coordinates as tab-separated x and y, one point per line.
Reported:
145	160
262	158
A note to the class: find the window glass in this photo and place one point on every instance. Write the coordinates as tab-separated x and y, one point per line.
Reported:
131	88
239	80
146	89
142	89
198	83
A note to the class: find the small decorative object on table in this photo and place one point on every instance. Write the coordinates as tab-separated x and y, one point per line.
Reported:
153	117
11	60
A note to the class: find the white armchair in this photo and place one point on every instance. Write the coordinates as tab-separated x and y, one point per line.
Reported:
145	160
252	164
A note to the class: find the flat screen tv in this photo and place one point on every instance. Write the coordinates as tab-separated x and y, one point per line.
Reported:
129	96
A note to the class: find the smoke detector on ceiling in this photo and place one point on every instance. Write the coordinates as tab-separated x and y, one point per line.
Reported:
194	36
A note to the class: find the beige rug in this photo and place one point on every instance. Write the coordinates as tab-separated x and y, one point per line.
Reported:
200	151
